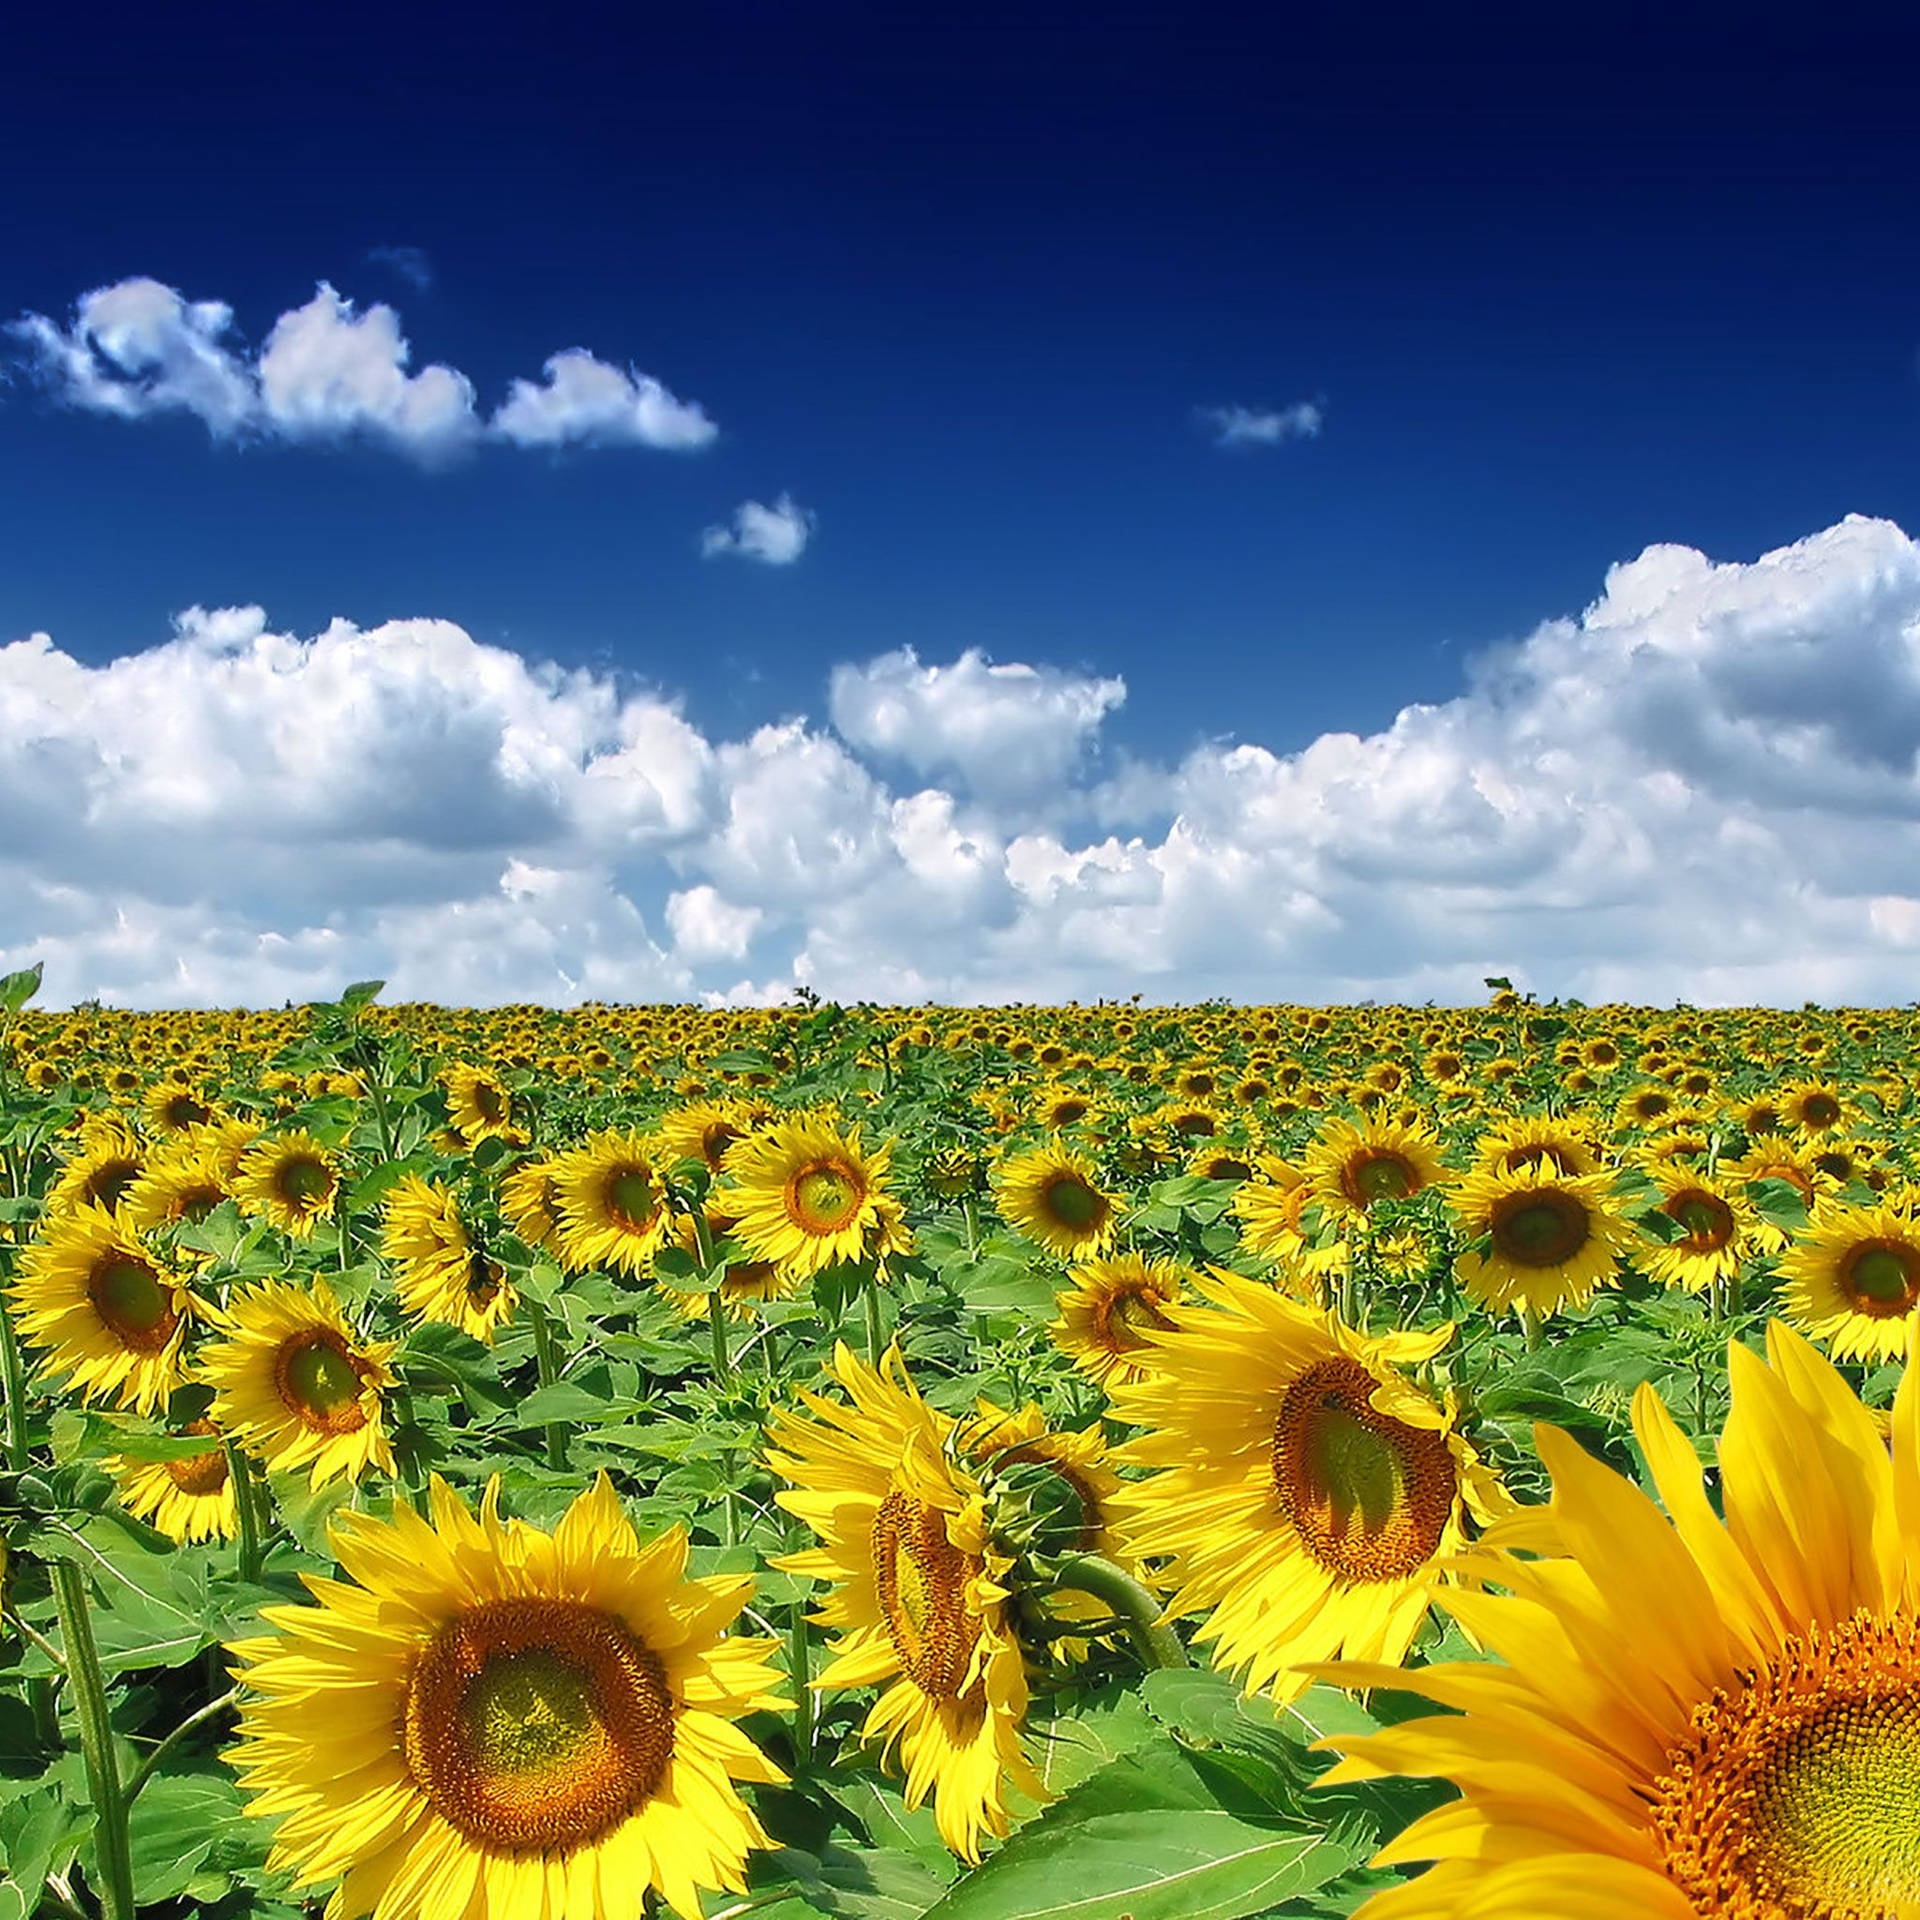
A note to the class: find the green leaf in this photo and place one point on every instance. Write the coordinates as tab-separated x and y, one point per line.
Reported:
863	1884
362	993
890	1823
442	1352
16	989
38	1834
1194	1864
561	1403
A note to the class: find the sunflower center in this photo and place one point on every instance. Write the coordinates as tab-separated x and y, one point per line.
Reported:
199	1473
1368	1495
1882	1277
318	1382
1819	1110
305	1183
1534	1154
1797	1796
630	1196
106	1186
1707	1219
1380	1176
489	1102
537	1726
921	1577
1126	1313
1074	1204
131	1301
1540	1229
824	1198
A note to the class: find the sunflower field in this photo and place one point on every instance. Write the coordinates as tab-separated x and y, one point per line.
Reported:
1030	1463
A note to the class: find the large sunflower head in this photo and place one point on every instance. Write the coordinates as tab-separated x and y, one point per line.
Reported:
1352	1168
293	1383
1051	1195
805	1195
175	1106
488	1718
1108	1312
1306	1490
1852	1280
104	1309
440	1272
1684	1716
915	1601
1550	1238
610	1203
289	1179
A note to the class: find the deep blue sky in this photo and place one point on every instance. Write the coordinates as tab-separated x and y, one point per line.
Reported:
1565	286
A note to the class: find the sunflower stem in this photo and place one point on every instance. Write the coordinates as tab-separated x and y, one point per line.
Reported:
151	1764
971	1215
547	1360
799	1672
18	1452
246	1510
870	1295
89	1688
1155	1640
1535	1331
717	1329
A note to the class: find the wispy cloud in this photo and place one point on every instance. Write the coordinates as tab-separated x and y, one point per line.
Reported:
777	534
410	263
1263	427
328	372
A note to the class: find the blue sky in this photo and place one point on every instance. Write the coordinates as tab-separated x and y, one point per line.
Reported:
963	291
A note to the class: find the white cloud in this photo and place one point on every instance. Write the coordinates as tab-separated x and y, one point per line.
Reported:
1264	427
327	372
777	534
587	401
1008	731
1708	785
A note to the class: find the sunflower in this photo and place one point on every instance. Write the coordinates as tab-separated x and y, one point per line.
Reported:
480	1105
188	1498
109	1161
1351	1167
484	1718
294	1384
1685	1716
1813	1108
528	1201
745	1285
1050	1195
289	1179
174	1186
104	1309
703	1130
172	1106
609	1203
1105	1315
916	1601
1565	1143
1852	1280
1056	1107
1551	1238
805	1195
1306	1491
439	1272
1272	1210
1778	1160
1719	1220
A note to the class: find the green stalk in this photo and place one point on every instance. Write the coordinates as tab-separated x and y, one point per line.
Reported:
151	1764
1157	1643
717	1329
870	1293
112	1857
548	1361
247	1509
799	1672
971	1215
15	1376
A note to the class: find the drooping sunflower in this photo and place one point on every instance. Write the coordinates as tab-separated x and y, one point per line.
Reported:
293	1383
1719	1220
1306	1489
187	1498
1552	1238
1272	1211
488	1719
480	1105
1564	1142
1686	1716
1351	1168
1050	1194
104	1309
703	1130
1852	1280
289	1179
1779	1159
174	1186
916	1601
610	1206
805	1195
438	1270
745	1285
1107	1312
528	1200
108	1161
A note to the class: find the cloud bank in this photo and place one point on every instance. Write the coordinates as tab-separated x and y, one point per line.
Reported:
1705	786
329	372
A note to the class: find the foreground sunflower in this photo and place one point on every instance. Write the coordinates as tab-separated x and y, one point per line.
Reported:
438	1270
499	1721
104	1309
805	1195
294	1384
915	1599
291	1180
1050	1195
1306	1490
1687	1717
1852	1280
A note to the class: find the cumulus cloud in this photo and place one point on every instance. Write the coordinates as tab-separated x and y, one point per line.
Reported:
1264	427
777	534
327	372
1010	731
1707	785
